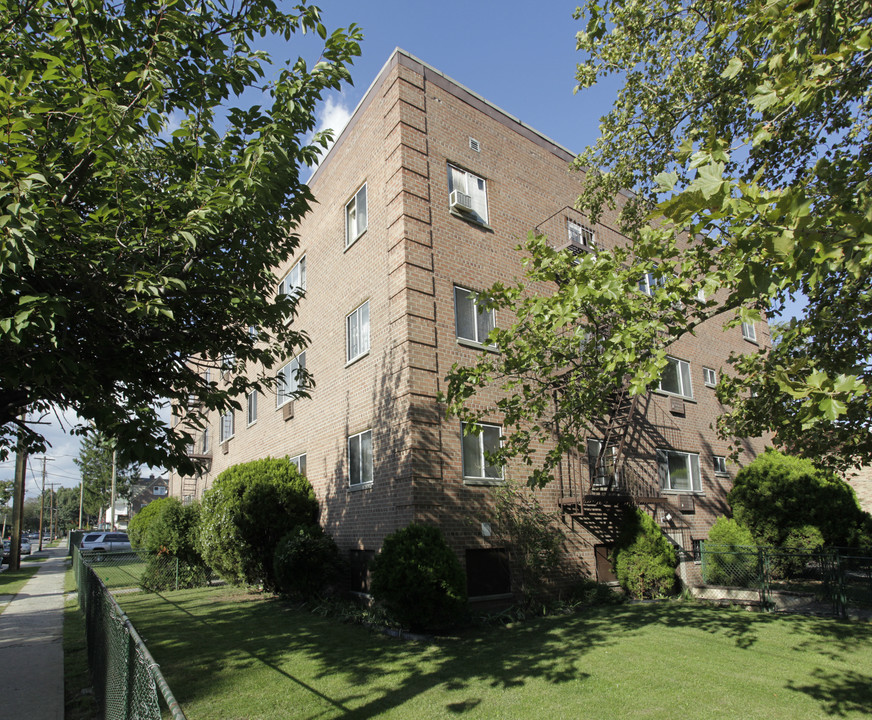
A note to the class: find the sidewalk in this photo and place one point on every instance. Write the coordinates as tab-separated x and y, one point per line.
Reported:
31	645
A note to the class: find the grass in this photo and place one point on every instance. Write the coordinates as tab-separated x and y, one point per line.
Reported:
12	581
230	654
79	702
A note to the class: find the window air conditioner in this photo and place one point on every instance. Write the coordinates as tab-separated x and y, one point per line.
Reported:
460	201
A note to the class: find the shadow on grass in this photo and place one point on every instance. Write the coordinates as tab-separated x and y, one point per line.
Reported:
196	635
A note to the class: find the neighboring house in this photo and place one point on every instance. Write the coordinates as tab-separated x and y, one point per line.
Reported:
122	515
145	490
421	202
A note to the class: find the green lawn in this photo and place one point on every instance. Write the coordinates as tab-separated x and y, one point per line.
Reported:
229	654
11	581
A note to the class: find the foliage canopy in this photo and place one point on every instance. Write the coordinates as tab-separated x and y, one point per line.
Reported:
141	212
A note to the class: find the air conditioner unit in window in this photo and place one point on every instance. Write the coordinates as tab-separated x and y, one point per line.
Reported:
460	201
288	410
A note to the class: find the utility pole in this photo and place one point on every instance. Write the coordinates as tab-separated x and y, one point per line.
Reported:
42	498
112	501
18	503
81	501
51	512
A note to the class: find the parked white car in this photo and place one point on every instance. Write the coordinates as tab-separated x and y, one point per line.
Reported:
103	542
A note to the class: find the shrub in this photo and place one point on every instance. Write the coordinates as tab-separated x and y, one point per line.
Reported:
249	508
168	531
643	558
776	494
533	537
419	579
733	558
140	524
306	562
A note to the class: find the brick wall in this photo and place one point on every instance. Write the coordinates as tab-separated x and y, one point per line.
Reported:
410	126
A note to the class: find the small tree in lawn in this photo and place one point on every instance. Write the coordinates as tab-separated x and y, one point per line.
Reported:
248	509
643	558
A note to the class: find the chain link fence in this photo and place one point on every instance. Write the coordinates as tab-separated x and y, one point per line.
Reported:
127	681
830	581
152	572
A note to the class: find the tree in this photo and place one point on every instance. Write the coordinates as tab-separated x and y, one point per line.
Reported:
67	509
141	214
742	129
95	466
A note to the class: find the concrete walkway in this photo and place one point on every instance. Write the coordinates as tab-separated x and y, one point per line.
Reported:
31	645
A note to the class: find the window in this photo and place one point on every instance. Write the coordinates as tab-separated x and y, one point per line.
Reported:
471	193
471	320
720	464
679	471
650	282
478	441
579	234
294	283
601	464
226	426
252	407
749	332
159	491
355	216
676	378
696	549
206	439
289	380
709	377
360	458
228	362
357	333
299	462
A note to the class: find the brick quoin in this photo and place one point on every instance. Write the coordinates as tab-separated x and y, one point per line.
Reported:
412	123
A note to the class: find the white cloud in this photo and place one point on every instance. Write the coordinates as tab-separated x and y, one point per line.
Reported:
334	115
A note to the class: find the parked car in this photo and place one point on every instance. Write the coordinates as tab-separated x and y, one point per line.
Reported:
98	543
26	548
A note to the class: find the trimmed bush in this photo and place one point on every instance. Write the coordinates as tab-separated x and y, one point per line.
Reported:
643	558
249	508
168	530
419	579
306	562
777	494
140	524
733	560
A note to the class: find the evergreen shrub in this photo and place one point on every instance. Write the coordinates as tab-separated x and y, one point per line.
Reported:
306	562
249	508
419	579
777	494
644	559
733	556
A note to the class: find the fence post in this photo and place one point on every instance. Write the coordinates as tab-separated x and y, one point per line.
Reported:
177	571
763	565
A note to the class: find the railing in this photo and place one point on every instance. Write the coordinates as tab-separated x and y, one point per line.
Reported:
126	677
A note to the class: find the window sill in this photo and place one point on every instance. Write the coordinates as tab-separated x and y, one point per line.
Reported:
722	474
465	342
356	359
470	219
348	245
697	493
360	486
484	482
666	393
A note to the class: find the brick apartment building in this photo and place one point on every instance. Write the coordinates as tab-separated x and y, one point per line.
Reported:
421	201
